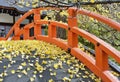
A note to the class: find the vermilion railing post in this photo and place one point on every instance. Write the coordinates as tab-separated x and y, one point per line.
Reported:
101	58
72	22
37	27
52	31
16	29
26	33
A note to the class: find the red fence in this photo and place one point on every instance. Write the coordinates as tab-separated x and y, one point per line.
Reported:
99	65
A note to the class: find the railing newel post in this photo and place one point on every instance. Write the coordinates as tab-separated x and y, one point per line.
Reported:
16	29
37	27
72	22
26	33
101	58
51	30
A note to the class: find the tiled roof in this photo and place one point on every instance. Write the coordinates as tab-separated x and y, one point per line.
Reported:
4	3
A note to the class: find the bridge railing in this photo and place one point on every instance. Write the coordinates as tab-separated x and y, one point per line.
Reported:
99	65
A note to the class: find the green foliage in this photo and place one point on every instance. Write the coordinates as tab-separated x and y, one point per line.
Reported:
85	42
99	29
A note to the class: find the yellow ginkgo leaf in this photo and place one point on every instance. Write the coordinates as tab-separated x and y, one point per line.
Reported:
71	76
8	56
27	4
115	74
92	1
1	75
40	76
39	67
44	62
68	62
5	74
66	79
19	76
54	73
86	72
56	66
13	71
51	80
35	72
23	64
0	58
70	71
32	79
1	79
34	76
48	52
28	69
24	72
50	70
4	67
77	75
85	76
20	67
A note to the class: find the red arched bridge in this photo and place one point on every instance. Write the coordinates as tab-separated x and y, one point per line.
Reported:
99	65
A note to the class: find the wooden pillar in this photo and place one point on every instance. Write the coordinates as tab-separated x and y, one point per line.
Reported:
26	33
16	35
13	19
72	22
101	58
52	31
37	27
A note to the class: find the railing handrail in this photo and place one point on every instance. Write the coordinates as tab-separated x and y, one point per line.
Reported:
108	21
18	22
95	40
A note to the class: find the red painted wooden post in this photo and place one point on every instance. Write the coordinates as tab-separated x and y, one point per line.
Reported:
37	27
101	58
26	33
16	35
72	22
52	31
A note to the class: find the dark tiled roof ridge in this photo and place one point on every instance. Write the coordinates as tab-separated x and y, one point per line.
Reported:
12	8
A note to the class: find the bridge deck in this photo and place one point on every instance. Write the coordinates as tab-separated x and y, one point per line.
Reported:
41	62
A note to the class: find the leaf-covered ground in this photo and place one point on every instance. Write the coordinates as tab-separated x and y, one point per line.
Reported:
37	61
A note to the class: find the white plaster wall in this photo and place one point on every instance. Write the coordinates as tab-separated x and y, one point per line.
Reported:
6	18
9	19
